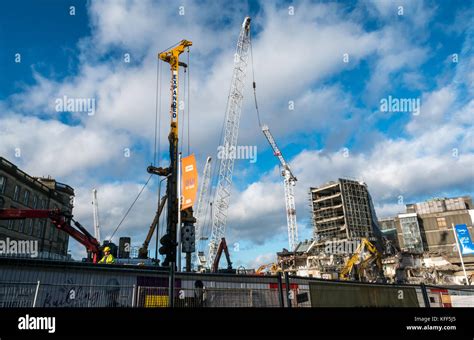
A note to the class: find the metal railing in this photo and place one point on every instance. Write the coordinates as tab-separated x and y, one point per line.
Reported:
207	297
14	294
203	291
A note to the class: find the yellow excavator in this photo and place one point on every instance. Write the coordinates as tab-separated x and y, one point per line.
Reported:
273	268
360	265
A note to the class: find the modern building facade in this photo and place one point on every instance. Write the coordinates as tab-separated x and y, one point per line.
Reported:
427	226
19	190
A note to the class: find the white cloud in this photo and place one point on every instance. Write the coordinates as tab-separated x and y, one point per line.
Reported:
53	148
294	57
262	259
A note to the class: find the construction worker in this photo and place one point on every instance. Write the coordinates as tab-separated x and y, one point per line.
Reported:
108	257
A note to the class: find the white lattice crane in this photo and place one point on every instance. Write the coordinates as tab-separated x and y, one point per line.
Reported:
201	211
231	132
289	181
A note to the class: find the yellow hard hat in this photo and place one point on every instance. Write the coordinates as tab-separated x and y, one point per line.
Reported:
106	249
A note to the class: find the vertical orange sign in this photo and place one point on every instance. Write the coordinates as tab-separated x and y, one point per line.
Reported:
189	181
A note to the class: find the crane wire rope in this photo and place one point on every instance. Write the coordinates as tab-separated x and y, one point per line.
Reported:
131	206
187	106
157	140
254	84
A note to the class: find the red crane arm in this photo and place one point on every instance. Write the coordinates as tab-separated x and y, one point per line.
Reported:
222	247
61	221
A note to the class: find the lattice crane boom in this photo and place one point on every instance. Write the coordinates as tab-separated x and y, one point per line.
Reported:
231	131
289	181
203	201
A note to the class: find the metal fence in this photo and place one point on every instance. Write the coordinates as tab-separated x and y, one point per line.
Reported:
207	297
289	291
13	294
17	294
39	283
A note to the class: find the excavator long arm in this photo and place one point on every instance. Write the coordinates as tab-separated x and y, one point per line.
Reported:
62	221
222	248
365	244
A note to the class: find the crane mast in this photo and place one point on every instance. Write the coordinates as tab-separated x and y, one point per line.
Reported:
289	181
231	131
203	200
95	210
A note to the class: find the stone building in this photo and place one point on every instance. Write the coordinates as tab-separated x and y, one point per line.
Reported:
21	191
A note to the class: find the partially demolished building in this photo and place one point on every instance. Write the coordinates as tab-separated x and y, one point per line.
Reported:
342	214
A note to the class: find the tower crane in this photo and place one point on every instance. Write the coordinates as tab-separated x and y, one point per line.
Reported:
203	200
231	126
95	211
289	181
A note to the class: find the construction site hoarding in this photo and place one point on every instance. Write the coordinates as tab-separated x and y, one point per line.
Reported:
325	294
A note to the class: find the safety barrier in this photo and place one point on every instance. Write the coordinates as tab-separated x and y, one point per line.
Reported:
300	292
35	283
14	294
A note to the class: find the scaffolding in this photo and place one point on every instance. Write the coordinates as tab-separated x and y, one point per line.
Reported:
357	209
341	210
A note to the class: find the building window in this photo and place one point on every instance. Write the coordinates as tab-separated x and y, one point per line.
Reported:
43	204
26	197
40	228
31	223
411	233
441	223
35	201
47	231
21	226
16	193
11	223
3	184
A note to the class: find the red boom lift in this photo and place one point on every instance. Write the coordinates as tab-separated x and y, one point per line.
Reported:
62	221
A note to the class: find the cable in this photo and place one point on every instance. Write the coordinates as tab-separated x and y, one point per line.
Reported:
169	48
254	83
189	107
136	199
184	112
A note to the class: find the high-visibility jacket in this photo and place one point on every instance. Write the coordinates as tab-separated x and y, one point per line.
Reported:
108	259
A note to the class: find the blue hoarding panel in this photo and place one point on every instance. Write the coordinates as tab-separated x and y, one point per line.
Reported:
465	241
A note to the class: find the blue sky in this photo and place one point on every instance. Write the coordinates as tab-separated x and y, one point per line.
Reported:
336	128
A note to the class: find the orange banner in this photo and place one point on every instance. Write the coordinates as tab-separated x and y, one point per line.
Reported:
189	181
